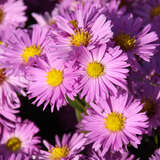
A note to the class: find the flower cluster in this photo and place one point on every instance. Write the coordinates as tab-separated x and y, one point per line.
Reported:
100	57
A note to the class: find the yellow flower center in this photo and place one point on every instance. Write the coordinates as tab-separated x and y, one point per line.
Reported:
125	41
155	12
59	152
54	77
74	23
95	69
1	42
115	122
149	107
31	52
80	38
1	15
14	144
2	76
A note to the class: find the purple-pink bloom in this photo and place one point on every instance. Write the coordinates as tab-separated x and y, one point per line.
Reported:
23	47
21	139
66	149
115	123
50	82
102	72
134	38
84	27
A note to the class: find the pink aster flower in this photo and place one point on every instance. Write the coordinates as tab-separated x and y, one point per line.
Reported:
65	149
114	124
21	48
102	71
21	140
134	38
51	82
84	27
12	12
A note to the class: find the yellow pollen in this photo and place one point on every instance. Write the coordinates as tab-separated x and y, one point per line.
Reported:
54	77
80	38
115	122
1	15
149	107
31	52
14	144
125	41
1	42
74	23
2	76
58	153
95	69
155	12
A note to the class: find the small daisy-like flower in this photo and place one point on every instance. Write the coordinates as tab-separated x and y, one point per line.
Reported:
20	140
52	82
134	39
115	123
86	27
65	149
101	72
9	86
22	48
12	12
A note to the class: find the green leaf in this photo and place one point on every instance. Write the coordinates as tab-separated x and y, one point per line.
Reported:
156	139
77	105
78	115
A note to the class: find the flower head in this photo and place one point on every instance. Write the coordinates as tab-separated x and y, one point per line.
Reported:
102	71
24	48
135	41
22	139
51	82
115	123
67	149
85	27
